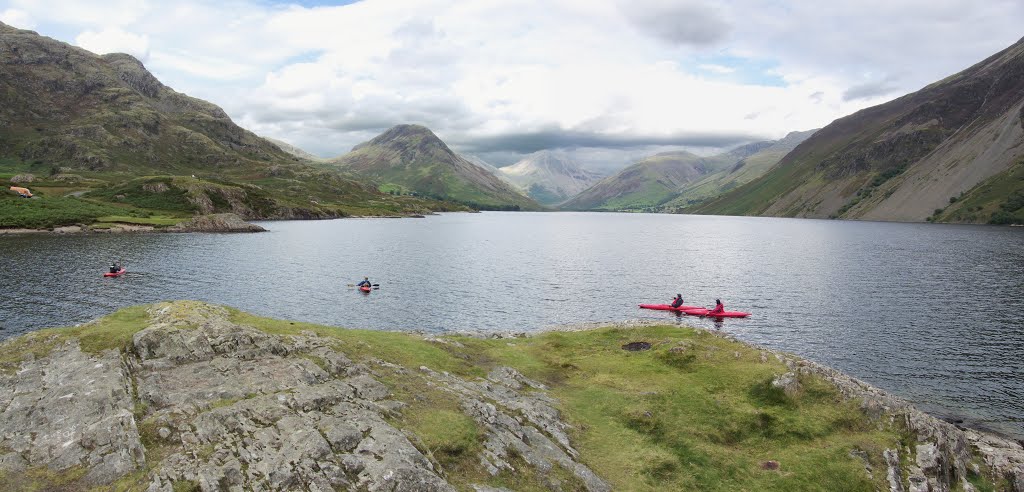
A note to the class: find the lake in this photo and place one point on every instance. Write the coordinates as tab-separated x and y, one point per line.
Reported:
929	312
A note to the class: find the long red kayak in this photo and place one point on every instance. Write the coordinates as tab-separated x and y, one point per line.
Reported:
667	307
723	314
120	272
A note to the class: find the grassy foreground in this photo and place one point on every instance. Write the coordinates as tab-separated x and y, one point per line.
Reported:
695	412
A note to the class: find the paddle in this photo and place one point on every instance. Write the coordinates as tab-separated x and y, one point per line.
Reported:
375	286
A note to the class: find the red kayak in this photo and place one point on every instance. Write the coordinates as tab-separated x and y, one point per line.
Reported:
365	288
120	272
723	314
667	307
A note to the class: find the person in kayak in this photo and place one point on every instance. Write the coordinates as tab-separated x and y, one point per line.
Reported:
719	307
364	283
114	267
678	301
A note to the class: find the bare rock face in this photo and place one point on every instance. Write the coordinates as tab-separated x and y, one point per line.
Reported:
216	223
250	411
198	399
68	410
524	424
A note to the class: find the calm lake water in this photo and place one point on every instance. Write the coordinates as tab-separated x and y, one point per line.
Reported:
929	312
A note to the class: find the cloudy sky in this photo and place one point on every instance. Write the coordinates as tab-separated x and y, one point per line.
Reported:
610	80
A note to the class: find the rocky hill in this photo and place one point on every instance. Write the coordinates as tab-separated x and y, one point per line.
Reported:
651	182
411	159
80	121
952	151
549	177
188	396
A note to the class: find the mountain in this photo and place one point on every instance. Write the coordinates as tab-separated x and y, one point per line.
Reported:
952	151
482	163
411	159
655	180
549	177
738	172
74	122
293	150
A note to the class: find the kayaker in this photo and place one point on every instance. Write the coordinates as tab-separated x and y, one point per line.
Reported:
678	301
719	307
114	267
364	283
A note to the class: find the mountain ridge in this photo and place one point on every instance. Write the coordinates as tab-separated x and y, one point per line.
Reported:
942	153
105	127
669	181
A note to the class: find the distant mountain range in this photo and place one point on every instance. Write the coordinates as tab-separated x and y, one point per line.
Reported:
952	151
549	177
740	169
106	127
663	181
411	159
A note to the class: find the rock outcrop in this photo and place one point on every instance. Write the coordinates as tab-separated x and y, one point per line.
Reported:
199	399
70	410
944	455
216	223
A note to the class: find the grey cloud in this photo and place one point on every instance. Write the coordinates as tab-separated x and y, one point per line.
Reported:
680	23
525	143
870	89
818	97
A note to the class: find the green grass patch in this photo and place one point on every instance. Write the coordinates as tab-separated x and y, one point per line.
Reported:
114	331
997	200
160	221
700	418
43	479
405	349
45	213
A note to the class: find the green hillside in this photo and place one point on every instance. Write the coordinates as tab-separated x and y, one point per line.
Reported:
949	152
72	122
410	159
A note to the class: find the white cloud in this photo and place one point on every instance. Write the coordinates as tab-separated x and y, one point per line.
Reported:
719	69
328	77
17	18
115	40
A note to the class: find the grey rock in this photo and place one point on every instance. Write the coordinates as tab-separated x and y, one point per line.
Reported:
69	409
258	412
894	471
788	383
865	459
536	433
216	223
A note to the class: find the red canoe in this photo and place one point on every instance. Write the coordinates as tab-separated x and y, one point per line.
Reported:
723	314
667	307
120	272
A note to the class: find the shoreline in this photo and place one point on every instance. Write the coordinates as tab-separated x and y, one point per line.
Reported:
181	227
